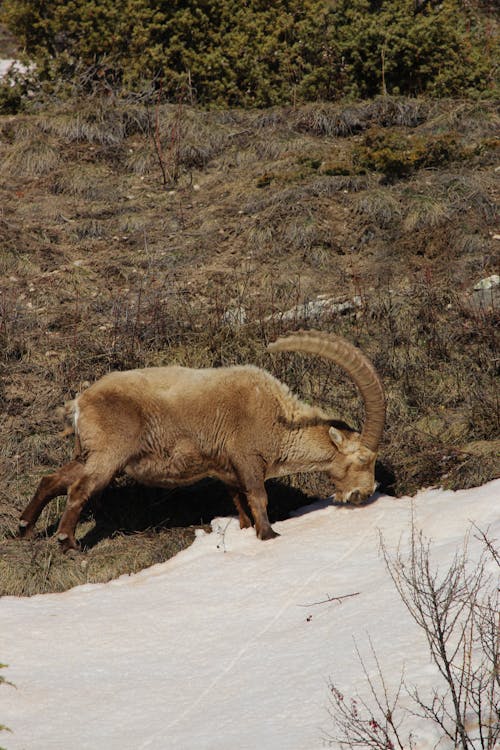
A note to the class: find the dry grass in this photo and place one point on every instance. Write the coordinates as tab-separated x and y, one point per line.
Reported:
42	568
379	207
341	121
105	122
425	212
31	157
473	118
85	181
103	268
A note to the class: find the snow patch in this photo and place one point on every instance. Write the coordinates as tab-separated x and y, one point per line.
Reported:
9	65
231	643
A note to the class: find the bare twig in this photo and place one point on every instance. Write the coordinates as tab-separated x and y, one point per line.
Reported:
330	599
157	139
488	543
458	613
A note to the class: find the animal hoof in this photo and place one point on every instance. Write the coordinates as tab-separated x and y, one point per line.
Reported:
66	544
23	528
269	533
245	522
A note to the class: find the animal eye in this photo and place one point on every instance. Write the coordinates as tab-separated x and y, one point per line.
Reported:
363	460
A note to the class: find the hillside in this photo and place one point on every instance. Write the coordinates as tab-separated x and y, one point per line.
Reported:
134	235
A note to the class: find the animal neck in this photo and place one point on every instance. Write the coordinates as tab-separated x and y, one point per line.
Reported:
306	447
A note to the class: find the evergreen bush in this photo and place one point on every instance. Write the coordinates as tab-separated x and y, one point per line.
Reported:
255	53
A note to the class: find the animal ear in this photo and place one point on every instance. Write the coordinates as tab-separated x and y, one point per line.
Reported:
336	436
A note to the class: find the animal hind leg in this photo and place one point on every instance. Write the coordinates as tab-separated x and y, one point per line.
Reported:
49	487
94	479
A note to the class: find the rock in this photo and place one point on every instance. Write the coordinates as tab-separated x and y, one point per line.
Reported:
234	316
488	283
311	312
486	293
315	310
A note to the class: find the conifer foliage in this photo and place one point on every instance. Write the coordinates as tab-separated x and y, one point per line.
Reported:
256	53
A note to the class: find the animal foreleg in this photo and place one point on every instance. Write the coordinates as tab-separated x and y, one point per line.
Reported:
252	484
239	500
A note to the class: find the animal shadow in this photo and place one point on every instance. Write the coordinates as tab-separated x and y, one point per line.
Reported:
130	508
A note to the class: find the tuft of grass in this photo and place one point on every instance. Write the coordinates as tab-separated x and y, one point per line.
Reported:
466	192
385	111
389	111
80	181
90	230
379	207
270	150
302	236
425	212
140	159
31	158
329	120
468	118
98	121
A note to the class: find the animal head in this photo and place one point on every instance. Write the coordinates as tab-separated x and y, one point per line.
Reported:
353	467
353	470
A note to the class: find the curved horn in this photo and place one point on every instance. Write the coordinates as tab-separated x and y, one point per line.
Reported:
355	364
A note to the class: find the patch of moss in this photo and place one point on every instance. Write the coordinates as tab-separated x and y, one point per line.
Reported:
343	169
398	155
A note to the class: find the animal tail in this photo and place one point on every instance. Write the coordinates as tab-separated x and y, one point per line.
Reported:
66	414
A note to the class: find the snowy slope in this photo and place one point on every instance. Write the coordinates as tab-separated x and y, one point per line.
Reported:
215	649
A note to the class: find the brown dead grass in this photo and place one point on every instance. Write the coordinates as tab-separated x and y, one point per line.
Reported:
41	568
105	267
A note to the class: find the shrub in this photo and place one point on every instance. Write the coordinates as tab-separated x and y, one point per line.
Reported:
387	48
10	99
397	155
258	54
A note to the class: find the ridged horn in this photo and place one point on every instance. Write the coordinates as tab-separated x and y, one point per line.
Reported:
355	364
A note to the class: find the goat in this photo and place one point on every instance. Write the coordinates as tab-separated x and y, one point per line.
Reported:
171	426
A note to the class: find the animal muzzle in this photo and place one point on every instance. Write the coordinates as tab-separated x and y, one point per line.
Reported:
355	496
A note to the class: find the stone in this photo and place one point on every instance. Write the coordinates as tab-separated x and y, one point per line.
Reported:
317	309
234	316
486	293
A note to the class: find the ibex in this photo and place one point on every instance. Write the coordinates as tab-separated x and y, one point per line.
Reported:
168	426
